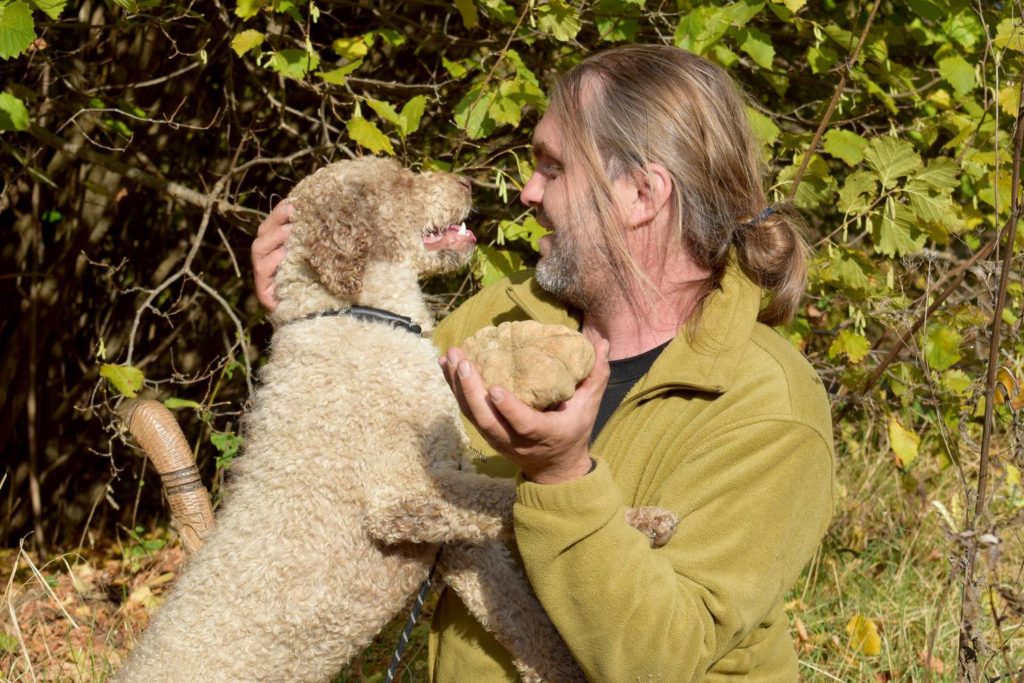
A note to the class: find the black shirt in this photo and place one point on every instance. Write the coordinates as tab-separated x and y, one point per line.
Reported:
624	374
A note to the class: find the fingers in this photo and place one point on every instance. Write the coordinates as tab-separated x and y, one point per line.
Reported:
268	251
519	416
278	216
470	392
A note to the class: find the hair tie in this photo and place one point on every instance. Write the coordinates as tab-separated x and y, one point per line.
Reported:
765	213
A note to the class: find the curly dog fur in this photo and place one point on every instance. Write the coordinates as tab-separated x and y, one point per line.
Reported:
347	486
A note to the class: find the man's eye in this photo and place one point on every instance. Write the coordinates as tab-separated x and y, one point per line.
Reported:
550	169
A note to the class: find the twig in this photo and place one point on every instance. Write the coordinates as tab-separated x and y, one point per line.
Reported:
970	639
816	140
958	274
176	190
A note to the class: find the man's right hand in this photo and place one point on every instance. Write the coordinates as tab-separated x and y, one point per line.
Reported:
268	251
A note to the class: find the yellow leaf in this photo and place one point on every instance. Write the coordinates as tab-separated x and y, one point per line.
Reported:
904	442
1008	389
1012	476
864	636
350	48
127	380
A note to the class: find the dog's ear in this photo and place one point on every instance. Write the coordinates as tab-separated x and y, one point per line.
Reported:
338	256
342	207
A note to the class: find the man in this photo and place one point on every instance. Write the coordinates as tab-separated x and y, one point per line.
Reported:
660	251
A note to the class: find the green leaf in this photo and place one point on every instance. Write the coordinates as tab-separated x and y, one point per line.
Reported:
893	230
845	145
794	5
467	10
892	159
246	40
126	379
740	13
816	188
1009	98
365	134
822	57
392	37
350	48
758	45
941	347
931	208
385	111
964	28
959	74
246	9
558	19
173	403
17	30
471	113
904	443
858	192
1010	35
454	69
763	127
615	28
957	381
491	265
701	28
294	63
51	8
940	175
412	114
854	345
849	272
13	114
505	110
228	445
338	76
530	230
929	9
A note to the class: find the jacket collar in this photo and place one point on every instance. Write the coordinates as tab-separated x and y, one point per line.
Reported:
706	360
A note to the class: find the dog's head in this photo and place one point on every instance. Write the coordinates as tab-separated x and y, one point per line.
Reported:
353	213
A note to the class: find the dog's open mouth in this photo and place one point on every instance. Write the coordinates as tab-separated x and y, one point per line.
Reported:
455	237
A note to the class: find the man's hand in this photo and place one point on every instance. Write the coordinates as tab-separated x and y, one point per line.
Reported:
268	251
550	447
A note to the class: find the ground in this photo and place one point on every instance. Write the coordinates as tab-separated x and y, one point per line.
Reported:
876	599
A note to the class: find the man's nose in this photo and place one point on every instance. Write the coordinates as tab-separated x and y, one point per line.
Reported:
533	191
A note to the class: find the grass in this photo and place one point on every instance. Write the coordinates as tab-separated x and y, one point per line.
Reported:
889	557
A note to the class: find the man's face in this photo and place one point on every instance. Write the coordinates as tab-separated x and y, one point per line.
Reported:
570	263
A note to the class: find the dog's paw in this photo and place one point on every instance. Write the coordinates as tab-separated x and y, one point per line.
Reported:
656	523
540	364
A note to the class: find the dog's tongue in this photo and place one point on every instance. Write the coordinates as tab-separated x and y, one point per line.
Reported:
457	237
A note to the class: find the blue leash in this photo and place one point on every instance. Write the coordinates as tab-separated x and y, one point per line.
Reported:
414	615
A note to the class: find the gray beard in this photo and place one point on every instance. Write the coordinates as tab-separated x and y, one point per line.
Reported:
560	274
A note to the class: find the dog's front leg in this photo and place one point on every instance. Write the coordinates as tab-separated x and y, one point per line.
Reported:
497	593
451	506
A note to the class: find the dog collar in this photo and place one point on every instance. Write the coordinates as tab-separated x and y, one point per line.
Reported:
371	315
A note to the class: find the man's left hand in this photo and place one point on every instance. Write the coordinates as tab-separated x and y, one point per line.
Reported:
549	446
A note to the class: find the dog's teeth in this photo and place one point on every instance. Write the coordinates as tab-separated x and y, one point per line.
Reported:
462	228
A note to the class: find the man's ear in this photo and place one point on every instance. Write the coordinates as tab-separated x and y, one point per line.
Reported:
653	187
338	248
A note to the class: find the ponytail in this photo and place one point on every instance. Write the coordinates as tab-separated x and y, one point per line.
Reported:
771	250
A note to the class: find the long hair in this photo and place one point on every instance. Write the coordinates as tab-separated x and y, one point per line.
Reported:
624	108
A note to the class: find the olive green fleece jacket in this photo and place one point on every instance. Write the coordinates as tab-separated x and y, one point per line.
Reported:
730	429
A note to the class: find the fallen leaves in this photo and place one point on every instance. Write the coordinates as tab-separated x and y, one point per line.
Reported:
75	618
864	636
